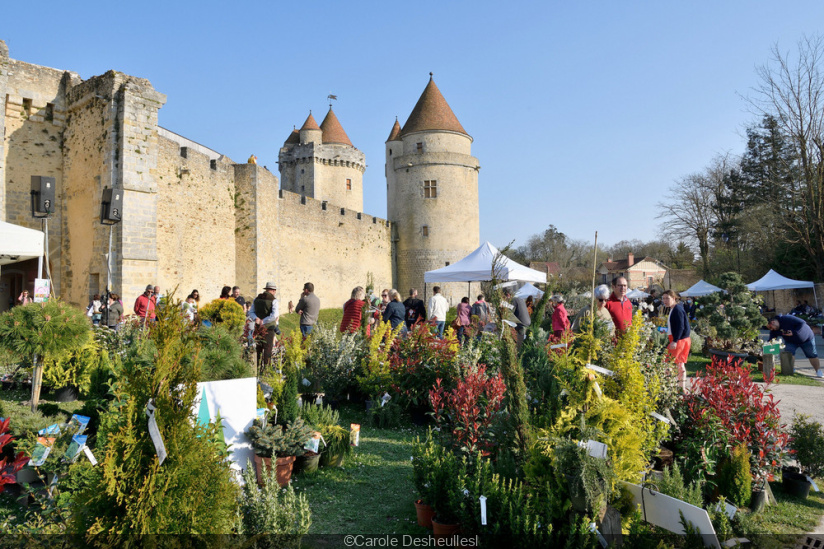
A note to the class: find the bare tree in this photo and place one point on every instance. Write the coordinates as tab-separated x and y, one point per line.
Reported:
792	90
689	215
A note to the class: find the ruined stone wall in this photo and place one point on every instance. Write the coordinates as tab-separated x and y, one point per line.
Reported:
33	119
195	221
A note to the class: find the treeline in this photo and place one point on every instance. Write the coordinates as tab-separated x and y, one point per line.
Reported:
763	208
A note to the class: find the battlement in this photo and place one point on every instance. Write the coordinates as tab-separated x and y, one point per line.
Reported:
296	199
325	154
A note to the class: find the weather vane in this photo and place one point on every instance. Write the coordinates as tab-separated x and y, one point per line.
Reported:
331	98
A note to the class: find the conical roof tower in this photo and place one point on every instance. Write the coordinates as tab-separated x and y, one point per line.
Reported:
432	112
333	131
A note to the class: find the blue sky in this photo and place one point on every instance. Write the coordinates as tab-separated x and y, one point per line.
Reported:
583	113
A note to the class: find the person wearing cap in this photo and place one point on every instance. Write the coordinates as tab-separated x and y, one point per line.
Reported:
308	308
266	313
560	318
144	306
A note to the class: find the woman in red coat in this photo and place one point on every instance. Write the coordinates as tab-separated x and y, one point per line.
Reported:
560	319
352	310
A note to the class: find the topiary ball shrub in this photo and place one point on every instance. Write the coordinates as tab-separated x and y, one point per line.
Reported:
224	311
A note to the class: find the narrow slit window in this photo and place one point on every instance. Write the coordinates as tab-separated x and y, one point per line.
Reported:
430	189
419	147
348	184
49	114
27	107
425	231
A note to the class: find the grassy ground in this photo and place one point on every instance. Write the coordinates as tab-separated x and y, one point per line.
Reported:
373	492
790	516
698	362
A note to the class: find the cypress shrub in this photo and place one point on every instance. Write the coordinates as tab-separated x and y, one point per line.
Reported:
735	477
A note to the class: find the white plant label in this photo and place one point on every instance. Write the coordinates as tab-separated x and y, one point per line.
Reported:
482	499
90	455
594	448
154	432
598	390
729	509
659	417
601	370
558	346
601	540
811	481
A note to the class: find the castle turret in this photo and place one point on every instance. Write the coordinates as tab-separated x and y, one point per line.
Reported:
432	191
322	163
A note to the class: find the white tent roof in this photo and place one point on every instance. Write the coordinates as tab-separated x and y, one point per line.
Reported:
637	294
774	281
19	243
700	288
478	266
529	290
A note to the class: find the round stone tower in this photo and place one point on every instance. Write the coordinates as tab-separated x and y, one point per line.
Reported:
320	162
432	193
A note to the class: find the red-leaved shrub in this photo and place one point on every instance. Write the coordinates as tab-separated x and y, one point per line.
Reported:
9	467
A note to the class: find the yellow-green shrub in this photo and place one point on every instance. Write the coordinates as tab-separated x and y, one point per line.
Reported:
224	311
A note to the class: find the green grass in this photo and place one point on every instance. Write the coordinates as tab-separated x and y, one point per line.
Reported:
698	362
22	419
791	517
290	322
373	492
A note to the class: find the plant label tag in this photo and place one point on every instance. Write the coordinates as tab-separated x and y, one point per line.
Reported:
811	481
154	432
354	434
659	417
482	499
598	390
559	346
601	540
563	393
600	370
89	455
596	449
729	509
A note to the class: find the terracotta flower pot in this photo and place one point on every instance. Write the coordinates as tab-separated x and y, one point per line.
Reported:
260	462
444	530
284	469
425	514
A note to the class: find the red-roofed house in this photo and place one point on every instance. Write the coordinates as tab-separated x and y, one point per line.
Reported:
639	274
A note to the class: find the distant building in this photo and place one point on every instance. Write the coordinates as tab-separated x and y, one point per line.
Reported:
639	274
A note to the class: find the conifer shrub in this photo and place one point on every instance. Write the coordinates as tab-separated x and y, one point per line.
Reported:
735	477
222	354
274	517
288	409
224	311
807	441
516	402
131	492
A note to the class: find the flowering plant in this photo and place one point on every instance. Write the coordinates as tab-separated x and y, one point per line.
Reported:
468	410
418	360
727	394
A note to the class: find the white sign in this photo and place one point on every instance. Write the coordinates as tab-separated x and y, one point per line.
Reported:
594	448
42	289
665	511
236	399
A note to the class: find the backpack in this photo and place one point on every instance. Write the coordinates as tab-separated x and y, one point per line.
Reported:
480	310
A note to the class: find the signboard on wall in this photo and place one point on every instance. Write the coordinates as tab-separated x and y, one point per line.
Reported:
42	289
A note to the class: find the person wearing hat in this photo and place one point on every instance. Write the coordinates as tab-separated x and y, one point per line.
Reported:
144	306
266	312
560	318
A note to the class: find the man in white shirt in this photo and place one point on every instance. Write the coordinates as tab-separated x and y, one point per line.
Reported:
438	306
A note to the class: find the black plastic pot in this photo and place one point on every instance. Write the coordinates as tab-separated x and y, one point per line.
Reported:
307	463
746	357
69	393
795	484
758	501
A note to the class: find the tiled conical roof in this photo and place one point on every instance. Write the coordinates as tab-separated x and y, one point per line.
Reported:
310	123
293	138
333	131
395	134
432	113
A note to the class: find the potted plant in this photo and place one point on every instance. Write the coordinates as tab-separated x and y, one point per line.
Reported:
283	444
730	320
337	446
447	493
807	443
424	457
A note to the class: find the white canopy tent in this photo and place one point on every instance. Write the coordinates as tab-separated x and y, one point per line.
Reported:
700	288
774	281
477	266
529	290
637	294
19	243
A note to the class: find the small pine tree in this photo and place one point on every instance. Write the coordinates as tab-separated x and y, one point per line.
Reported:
516	394
131	492
288	403
735	477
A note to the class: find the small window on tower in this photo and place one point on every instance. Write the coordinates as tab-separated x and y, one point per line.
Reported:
27	107
425	231
49	114
348	184
419	146
430	189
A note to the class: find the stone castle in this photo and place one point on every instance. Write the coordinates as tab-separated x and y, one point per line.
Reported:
194	218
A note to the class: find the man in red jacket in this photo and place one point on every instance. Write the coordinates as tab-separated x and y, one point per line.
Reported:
145	304
619	306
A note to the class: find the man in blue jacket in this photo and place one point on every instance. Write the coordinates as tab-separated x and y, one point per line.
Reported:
796	334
